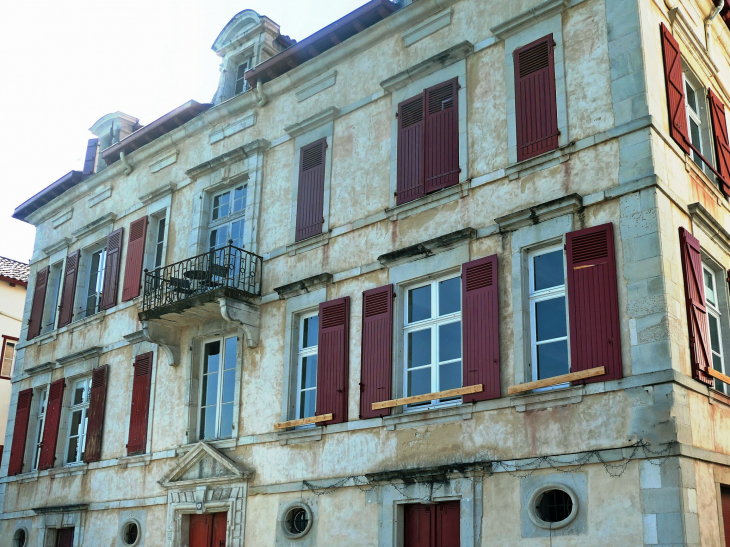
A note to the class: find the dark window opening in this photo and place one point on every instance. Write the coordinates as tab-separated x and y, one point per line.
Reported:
554	506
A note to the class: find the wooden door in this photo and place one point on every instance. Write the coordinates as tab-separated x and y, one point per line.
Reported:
201	530
434	525
65	537
220	521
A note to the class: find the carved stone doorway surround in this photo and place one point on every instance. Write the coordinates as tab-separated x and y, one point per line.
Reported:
205	481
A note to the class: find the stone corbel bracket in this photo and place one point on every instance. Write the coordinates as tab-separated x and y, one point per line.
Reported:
165	337
246	314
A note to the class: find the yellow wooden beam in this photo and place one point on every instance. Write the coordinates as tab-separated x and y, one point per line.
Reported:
429	397
719	375
555	380
303	421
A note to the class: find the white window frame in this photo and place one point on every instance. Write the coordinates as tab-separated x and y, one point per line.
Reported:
433	324
82	407
693	116
158	243
236	79
219	395
53	297
535	296
303	352
229	219
713	310
40	426
12	342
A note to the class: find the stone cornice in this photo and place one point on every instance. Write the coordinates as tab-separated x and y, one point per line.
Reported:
529	17
540	213
108	218
707	223
158	193
320	118
82	355
237	154
428	248
303	285
682	26
429	66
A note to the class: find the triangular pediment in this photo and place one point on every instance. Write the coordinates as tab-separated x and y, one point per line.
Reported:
204	465
236	27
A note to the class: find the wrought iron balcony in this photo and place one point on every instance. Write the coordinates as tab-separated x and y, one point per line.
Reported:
225	272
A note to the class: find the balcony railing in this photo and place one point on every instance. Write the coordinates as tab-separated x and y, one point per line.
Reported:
228	268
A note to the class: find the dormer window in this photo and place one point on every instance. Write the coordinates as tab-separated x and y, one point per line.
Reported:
241	83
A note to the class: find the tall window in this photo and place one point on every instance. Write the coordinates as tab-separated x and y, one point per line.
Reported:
53	297
307	366
227	218
159	243
433	339
40	424
217	388
8	354
96	281
713	323
548	314
241	83
694	121
78	420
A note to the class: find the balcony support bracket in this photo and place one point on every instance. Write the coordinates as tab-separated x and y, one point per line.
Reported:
244	313
165	338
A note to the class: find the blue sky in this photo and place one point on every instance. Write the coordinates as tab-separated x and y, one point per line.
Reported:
66	64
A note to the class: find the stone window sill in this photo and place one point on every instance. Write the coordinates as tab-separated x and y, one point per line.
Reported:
298	436
525	167
308	244
220	444
68	470
545	399
139	460
430	416
429	201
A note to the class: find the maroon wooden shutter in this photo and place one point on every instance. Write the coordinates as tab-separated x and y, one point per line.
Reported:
90	160
92	452
535	102
35	323
135	259
66	313
377	350
441	141
332	359
139	414
675	89
480	324
410	150
419	526
595	338
725	504
310	195
20	432
722	145
111	270
53	421
694	294
448	524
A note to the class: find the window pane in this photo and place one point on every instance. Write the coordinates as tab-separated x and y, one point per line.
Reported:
709	287
208	417
229	385
226	420
210	389
311	331
450	376
309	372
419	304
552	359
691	97
694	131
307	403
419	348
239	86
79	393
73	445
548	270
231	346
550	319
212	357
241	70
75	423
714	333
450	296
419	382
237	233
239	198
450	341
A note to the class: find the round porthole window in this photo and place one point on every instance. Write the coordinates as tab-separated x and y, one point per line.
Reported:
553	506
20	538
297	520
130	532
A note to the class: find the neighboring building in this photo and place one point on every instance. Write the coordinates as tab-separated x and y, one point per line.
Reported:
13	284
445	273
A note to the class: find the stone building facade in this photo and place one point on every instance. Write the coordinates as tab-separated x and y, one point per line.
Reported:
313	311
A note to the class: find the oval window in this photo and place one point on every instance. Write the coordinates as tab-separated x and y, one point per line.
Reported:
297	520
130	533
553	506
19	539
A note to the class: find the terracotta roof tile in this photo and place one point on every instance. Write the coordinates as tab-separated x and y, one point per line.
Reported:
14	270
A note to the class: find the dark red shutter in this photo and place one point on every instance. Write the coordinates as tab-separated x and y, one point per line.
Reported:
65	537
480	324
53	422
535	103
441	142
332	359
448	524
35	323
722	146
111	270
66	313
419	526
92	452
377	350
20	432
310	195
675	89
694	294
90	159
410	150
725	504
201	530
135	259
220	522
595	338
139	414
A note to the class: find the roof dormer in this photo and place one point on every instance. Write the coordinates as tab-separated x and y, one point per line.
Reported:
111	129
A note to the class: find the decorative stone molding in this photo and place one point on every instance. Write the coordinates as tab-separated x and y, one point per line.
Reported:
38	368
707	223
163	336
244	122
427	27
302	286
101	195
682	28
164	161
248	315
539	213
108	218
83	355
232	156
428	248
57	246
192	471
62	218
429	66
60	516
313	122
529	17
158	193
315	85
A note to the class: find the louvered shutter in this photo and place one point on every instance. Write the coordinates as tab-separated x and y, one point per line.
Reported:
135	259
694	294
90	160
448	524
410	150
35	323
595	338
53	422
675	89
97	397
310	194
20	432
66	312
377	350
722	146
725	504
535	103
419	526
480	327
441	141
201	530
111	270
332	359
139	413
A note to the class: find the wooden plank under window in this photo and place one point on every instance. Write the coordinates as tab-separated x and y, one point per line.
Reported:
719	375
303	421
555	380
429	396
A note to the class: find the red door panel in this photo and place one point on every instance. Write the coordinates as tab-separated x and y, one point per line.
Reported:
419	526
65	537
448	533
220	521
201	528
